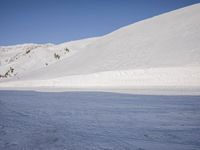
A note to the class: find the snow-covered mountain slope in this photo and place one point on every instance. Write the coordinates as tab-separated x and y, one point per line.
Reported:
29	57
160	51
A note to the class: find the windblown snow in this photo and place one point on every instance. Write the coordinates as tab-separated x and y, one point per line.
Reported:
163	51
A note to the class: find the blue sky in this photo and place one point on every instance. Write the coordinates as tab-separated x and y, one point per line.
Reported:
57	21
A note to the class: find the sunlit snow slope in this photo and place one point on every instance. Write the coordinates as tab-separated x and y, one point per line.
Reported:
163	51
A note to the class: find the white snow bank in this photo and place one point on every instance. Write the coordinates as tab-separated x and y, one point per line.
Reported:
154	77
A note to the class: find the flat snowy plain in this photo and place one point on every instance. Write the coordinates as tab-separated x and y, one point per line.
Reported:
98	121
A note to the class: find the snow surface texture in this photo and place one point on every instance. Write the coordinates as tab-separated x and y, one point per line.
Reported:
98	121
163	51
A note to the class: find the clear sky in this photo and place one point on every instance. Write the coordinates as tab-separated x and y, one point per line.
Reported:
57	21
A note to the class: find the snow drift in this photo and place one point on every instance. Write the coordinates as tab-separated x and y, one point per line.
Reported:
162	51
